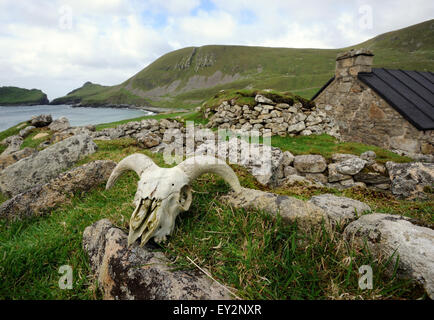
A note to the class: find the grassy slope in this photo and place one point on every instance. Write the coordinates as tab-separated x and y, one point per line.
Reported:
16	96
302	71
87	90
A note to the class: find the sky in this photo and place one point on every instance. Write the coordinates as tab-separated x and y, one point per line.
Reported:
58	45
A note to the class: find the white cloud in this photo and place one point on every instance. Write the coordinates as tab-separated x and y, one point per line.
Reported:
110	40
172	7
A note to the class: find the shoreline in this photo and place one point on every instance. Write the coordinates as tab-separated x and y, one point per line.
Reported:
129	106
152	109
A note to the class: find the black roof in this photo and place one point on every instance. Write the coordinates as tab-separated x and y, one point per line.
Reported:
411	93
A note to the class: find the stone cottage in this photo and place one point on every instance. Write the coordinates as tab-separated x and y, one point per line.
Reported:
393	109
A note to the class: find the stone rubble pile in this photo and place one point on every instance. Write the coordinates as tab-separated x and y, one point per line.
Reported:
139	129
271	118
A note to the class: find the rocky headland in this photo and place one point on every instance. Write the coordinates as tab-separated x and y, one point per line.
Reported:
13	96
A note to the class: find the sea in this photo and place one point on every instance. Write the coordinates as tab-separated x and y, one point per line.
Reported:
11	116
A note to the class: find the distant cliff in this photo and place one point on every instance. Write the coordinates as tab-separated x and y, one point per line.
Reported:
13	96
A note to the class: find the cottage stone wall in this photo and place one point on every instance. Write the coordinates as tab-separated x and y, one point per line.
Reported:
363	116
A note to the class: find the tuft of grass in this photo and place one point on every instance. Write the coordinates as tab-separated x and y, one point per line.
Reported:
383	202
30	142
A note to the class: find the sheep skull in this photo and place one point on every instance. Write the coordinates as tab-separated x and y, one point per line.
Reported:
163	193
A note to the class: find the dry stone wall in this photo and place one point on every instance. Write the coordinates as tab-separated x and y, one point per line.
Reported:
271	118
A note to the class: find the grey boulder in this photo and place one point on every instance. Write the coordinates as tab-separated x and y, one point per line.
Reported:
42	120
264	100
42	199
26	131
9	159
307	215
310	163
371	178
351	166
14	144
334	175
413	245
409	180
137	273
45	165
340	210
59	124
148	139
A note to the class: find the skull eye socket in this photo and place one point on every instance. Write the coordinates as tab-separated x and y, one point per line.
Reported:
185	197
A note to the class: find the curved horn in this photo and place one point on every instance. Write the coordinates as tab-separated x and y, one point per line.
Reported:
194	167
137	162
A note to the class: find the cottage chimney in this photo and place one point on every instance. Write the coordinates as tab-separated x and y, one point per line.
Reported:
350	63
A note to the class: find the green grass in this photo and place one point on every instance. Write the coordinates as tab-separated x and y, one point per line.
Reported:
326	145
11	131
256	255
88	89
30	142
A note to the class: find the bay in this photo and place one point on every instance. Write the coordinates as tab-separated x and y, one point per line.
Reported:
11	116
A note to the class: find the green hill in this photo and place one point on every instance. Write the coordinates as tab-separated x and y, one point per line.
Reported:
12	96
186	77
75	96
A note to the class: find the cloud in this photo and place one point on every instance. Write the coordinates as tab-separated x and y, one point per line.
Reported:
57	45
